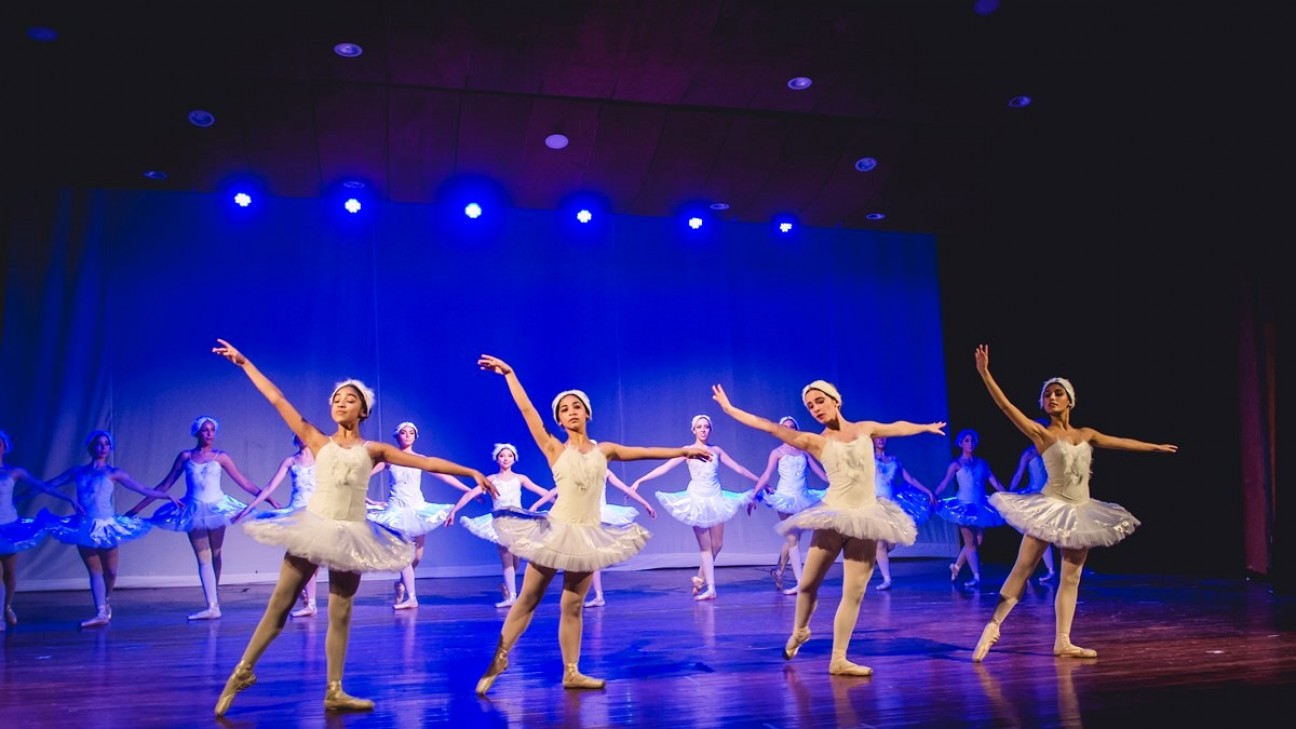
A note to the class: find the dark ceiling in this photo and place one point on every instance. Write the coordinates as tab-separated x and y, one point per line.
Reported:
664	103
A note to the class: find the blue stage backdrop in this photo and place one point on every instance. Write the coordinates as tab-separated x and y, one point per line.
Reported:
113	301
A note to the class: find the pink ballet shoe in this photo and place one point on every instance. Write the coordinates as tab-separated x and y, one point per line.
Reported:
798	639
777	575
886	585
1062	648
954	572
989	636
306	611
839	666
698	583
409	604
597	601
791	591
708	595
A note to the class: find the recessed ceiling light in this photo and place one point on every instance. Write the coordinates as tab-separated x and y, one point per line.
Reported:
353	184
556	141
347	50
1019	102
200	118
719	206
41	34
876	216
799	83
865	164
155	174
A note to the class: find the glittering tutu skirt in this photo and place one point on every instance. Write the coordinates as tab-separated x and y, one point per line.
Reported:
190	515
482	527
412	521
977	514
349	546
915	503
792	502
703	511
882	520
545	541
95	533
618	516
1092	523
21	535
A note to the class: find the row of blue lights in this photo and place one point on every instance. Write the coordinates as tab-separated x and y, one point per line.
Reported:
474	211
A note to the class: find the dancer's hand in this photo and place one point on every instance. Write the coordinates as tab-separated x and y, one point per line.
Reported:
228	351
936	428
718	394
652	513
695	453
983	358
494	364
485	484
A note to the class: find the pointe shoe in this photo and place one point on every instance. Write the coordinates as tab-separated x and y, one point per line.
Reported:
954	572
698	583
777	575
574	679
506	602
1048	577
839	666
409	604
497	666
708	595
596	602
791	590
989	636
337	700
211	613
306	611
1062	648
10	616
399	592
886	585
101	618
239	680
798	639
974	582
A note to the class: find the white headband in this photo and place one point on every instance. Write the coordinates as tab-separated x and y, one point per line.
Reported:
95	434
405	424
198	422
1066	385
504	447
795	424
696	418
823	386
366	394
579	396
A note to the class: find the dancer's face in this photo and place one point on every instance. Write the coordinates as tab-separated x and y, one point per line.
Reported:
206	433
505	459
879	443
1055	399
788	423
821	407
99	448
406	436
348	405
702	430
571	412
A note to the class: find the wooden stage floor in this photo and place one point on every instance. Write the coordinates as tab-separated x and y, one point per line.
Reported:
1173	650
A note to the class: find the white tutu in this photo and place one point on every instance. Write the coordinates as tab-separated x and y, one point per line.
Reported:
349	546
792	503
21	535
882	520
192	515
1091	523
703	511
619	516
411	522
562	545
482	527
97	533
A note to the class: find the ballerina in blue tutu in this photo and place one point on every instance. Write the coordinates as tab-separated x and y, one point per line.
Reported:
1062	513
969	509
895	483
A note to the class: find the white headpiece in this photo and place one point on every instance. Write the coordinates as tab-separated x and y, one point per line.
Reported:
366	393
504	447
823	386
94	434
696	418
579	396
198	422
1066	385
795	424
405	424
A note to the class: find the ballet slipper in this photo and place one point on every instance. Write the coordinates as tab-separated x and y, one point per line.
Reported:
954	572
1048	577
839	666
101	618
1062	648
791	591
399	588
212	612
10	616
698	582
306	611
708	595
409	604
337	700
974	582
777	575
239	680
574	679
989	636
597	601
798	639
497	666
886	585
506	602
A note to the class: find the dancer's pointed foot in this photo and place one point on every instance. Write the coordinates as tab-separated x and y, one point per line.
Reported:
698	583
798	639
974	582
989	636
11	617
710	594
305	611
776	574
839	666
496	667
506	602
100	619
574	679
409	604
954	572
212	612
239	680
596	601
399	592
337	700
1062	648
791	590
886	585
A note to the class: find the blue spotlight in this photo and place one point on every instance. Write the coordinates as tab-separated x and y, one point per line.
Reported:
695	222
785	227
584	216
352	205
242	199
473	210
